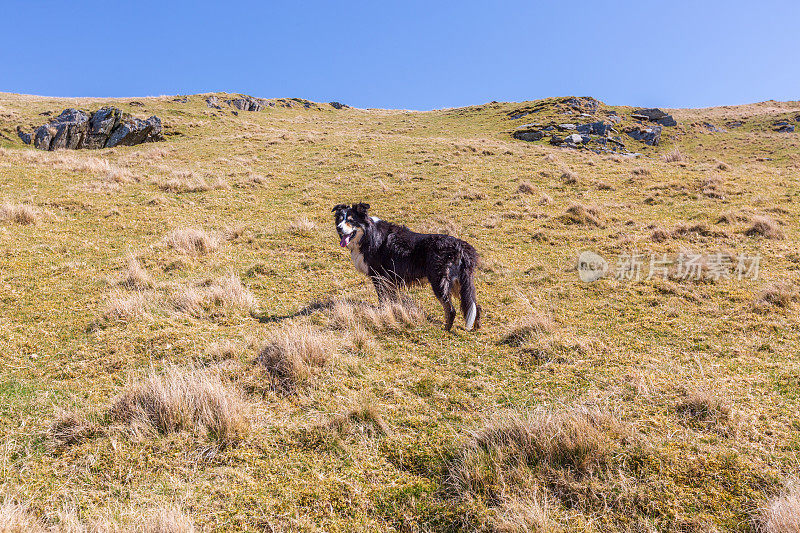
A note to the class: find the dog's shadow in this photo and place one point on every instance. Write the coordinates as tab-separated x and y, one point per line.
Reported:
317	305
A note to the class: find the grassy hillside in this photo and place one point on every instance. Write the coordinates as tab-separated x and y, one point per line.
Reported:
184	342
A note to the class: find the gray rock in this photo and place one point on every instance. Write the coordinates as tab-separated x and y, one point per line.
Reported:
69	129
614	119
784	127
556	140
136	131
650	136
26	137
213	102
102	123
566	127
339	105
654	115
595	128
735	124
712	128
573	139
247	103
42	136
528	135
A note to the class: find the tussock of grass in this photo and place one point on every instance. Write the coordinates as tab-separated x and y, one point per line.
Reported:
782	513
126	307
365	420
189	182
779	294
166	520
295	353
180	399
302	226
640	171
582	214
23	214
763	226
135	276
15	518
70	428
224	296
569	177
391	315
526	327
525	187
674	156
704	406
193	241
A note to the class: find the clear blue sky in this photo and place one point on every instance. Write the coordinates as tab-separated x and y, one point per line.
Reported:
407	54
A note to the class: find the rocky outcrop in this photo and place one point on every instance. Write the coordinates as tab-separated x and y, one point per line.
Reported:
783	126
648	135
213	102
107	127
595	136
337	105
529	135
247	103
654	115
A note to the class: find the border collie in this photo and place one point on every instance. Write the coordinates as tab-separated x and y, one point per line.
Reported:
393	255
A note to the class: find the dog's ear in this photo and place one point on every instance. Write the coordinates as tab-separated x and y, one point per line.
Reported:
361	208
338	207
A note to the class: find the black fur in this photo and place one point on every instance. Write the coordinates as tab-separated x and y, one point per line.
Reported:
392	256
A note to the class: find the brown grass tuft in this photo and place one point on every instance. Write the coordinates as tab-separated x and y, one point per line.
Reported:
780	294
569	177
703	405
582	214
125	307
660	234
525	187
364	420
526	327
135	276
673	156
70	428
188	182
192	241
15	518
294	354
19	214
640	171
302	226
392	315
166	520
179	399
765	227
577	439
782	513
224	296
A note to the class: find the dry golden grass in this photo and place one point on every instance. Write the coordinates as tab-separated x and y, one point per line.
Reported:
674	156
15	518
703	405
135	276
19	214
125	307
391	315
526	188
182	399
70	427
165	520
524	328
779	294
782	513
193	241
223	296
364	420
569	177
763	226
190	182
640	171
583	214
294	354
302	226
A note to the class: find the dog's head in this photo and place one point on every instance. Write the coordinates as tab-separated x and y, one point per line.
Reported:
351	223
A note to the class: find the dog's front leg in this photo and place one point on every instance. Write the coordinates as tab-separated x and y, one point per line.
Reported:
384	289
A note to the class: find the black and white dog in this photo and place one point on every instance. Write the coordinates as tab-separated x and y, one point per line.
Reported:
393	255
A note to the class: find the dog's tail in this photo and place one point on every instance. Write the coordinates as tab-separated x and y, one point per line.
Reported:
469	303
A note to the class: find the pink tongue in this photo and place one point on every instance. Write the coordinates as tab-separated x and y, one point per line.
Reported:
345	240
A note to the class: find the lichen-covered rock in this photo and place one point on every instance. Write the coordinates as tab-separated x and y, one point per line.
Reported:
528	135
213	102
101	125
136	131
648	135
656	115
337	105
247	103
106	127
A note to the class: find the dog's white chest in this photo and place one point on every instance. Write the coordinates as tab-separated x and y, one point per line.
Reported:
358	260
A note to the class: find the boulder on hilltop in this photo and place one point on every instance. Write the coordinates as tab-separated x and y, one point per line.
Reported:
105	128
654	114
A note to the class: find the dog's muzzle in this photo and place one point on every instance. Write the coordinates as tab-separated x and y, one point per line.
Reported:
346	238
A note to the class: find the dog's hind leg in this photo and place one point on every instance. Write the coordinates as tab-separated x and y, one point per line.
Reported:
469	304
441	289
